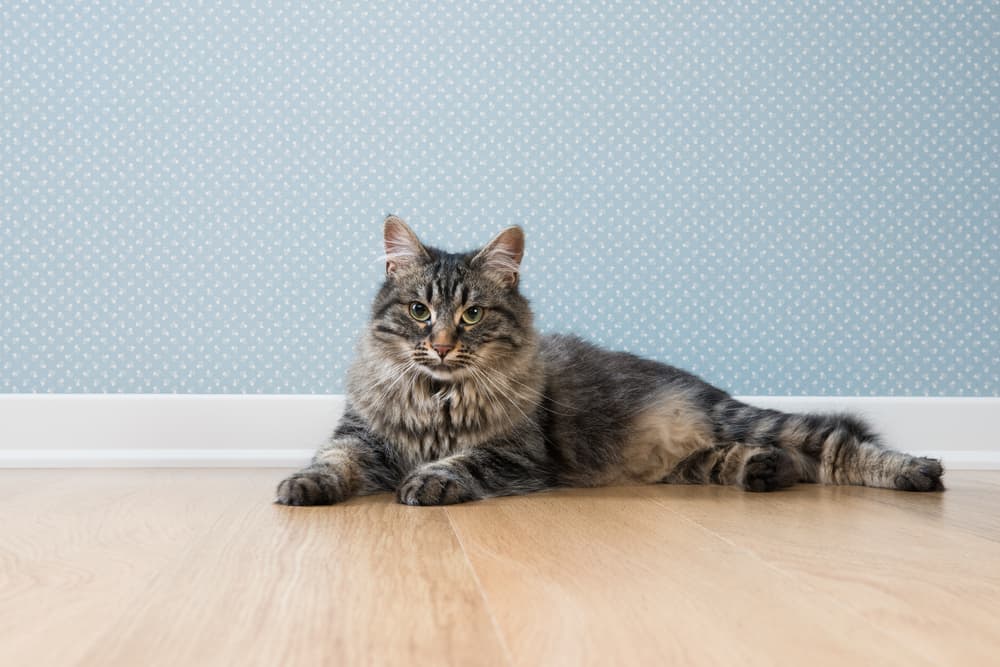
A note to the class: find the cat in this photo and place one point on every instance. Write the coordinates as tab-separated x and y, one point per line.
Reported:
453	396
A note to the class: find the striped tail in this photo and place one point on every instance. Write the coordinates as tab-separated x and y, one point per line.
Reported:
825	448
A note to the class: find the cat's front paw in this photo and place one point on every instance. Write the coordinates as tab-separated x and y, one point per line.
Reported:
434	485
311	486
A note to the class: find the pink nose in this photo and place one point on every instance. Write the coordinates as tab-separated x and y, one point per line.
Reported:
442	350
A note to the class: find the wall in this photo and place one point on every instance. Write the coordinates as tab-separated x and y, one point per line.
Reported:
785	197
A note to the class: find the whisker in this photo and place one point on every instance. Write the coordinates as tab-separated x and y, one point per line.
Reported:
540	393
503	394
484	391
537	403
400	371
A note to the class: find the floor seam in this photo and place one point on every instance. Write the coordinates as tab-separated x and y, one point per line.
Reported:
784	573
482	591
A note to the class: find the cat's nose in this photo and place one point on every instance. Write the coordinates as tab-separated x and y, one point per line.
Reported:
442	350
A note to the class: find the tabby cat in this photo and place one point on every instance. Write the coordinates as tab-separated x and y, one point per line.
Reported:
453	396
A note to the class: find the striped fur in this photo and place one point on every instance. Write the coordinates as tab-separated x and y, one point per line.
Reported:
506	411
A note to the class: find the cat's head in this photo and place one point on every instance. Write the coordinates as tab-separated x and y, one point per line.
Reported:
451	315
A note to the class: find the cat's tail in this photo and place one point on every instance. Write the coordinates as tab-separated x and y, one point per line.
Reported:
827	448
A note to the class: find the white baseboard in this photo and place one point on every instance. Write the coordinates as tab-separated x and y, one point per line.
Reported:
154	458
194	430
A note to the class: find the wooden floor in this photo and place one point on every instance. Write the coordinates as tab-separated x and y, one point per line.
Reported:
197	567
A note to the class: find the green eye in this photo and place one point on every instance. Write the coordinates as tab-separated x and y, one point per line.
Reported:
472	315
420	312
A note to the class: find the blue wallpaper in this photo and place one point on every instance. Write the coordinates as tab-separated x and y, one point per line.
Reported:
785	197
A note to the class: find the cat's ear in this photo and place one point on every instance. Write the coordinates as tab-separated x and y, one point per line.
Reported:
402	247
501	258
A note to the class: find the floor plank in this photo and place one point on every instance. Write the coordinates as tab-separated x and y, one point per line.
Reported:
78	545
933	587
590	576
126	567
970	503
366	582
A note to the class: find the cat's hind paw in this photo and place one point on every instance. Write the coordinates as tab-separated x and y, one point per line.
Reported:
920	474
769	470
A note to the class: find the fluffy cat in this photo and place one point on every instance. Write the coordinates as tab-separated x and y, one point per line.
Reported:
453	396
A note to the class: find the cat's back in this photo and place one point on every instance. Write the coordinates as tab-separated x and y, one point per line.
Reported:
613	417
574	364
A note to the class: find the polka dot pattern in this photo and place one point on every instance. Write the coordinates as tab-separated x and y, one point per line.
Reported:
785	197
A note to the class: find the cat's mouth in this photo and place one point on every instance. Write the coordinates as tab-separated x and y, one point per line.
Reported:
441	371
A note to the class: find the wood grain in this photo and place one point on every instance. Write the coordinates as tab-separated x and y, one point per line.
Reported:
586	576
970	503
156	567
933	587
78	545
366	582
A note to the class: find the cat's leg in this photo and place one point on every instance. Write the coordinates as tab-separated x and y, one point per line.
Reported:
846	451
500	469
352	463
754	468
827	448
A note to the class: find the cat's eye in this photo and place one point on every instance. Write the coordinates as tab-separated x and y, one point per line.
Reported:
472	315
420	312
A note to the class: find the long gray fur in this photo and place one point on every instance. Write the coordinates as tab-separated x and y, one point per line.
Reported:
508	411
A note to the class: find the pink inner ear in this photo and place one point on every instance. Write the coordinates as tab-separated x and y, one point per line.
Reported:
502	257
502	261
401	245
398	245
